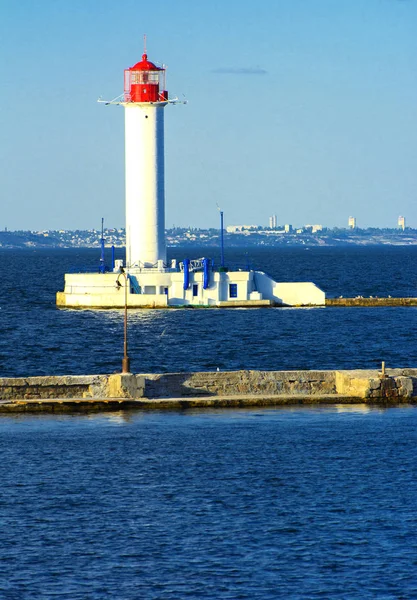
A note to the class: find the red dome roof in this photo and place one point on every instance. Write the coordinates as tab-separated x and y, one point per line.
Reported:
145	65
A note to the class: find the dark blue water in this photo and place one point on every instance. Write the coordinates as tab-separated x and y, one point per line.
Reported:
229	504
36	338
299	504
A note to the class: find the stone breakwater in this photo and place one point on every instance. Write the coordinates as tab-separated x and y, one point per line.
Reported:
395	384
371	301
206	389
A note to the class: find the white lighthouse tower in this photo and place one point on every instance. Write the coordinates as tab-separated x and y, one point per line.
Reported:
145	98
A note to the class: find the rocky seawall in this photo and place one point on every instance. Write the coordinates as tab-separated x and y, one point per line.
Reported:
206	389
371	301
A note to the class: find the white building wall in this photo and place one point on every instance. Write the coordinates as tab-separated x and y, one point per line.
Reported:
218	289
100	290
96	289
303	293
145	193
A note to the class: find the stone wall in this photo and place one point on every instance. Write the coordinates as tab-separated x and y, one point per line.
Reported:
229	383
72	386
367	384
398	385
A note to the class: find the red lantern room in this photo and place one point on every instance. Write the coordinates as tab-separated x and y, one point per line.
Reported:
144	81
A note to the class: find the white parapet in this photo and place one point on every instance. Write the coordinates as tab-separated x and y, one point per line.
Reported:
145	192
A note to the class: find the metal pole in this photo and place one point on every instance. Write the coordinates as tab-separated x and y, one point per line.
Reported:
221	240
126	359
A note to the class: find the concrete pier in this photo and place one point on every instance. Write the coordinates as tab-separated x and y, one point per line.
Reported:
371	301
207	390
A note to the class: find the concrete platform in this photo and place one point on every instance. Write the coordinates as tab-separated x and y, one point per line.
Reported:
81	405
59	405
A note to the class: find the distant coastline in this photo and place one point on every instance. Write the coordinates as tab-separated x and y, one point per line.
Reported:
261	237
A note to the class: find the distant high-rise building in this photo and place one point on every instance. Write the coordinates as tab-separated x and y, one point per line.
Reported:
352	222
273	221
401	223
287	228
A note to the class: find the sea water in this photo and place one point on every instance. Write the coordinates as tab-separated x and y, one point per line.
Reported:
37	338
299	503
293	503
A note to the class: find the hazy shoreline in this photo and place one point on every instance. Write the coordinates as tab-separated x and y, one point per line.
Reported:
210	238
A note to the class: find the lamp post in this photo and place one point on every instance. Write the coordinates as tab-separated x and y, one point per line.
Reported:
126	359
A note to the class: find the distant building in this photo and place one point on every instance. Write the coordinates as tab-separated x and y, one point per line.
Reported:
313	228
352	222
287	228
273	221
240	228
401	223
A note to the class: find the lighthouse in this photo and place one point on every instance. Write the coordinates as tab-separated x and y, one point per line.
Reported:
147	279
145	98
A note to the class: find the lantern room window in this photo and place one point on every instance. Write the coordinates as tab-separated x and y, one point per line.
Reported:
141	77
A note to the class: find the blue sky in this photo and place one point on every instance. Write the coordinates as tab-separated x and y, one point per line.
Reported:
303	108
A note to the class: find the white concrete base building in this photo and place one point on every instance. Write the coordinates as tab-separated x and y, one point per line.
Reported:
153	288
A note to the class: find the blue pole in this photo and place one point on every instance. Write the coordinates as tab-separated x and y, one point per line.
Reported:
186	273
112	258
102	266
221	240
206	273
